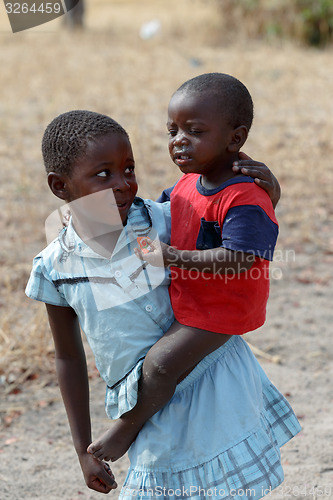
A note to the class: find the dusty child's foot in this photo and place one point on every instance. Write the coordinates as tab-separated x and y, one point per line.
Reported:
114	443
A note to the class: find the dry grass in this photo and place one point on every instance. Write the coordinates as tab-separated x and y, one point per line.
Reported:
108	68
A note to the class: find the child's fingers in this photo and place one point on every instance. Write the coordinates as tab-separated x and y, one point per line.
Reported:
244	156
250	163
146	246
254	169
138	253
109	478
263	184
109	471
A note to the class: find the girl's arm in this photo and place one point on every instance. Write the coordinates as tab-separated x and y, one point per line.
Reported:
73	381
259	171
262	176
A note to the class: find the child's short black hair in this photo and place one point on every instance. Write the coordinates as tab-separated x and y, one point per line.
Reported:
232	97
66	138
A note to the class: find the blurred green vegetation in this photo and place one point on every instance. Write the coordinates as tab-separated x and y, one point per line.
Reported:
317	16
308	21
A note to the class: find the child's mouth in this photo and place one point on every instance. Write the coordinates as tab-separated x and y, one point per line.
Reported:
182	160
181	157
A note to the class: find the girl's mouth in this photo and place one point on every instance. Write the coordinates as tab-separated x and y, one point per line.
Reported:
123	206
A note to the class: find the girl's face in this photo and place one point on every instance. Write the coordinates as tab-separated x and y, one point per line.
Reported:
102	185
199	136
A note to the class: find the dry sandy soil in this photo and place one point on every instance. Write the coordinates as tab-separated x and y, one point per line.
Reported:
108	68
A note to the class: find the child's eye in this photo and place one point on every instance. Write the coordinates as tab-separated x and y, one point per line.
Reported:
195	132
129	170
103	173
172	133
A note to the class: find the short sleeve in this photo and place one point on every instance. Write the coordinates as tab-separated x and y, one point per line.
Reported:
40	286
167	217
165	195
249	229
161	219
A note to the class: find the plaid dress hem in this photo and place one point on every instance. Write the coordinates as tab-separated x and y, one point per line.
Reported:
194	449
249	469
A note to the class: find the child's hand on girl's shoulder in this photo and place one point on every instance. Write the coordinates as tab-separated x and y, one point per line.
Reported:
97	474
261	174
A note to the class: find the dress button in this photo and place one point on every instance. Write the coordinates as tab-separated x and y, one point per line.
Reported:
149	308
117	274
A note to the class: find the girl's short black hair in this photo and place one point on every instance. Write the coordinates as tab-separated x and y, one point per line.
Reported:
232	97
66	138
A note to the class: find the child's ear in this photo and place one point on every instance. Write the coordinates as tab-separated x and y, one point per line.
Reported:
57	185
238	138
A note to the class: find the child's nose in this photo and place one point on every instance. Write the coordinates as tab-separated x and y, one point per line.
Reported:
180	139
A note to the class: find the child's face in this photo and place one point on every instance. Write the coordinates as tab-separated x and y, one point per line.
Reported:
107	165
199	135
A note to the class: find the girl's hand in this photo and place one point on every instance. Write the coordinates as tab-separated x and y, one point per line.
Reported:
157	253
262	176
97	474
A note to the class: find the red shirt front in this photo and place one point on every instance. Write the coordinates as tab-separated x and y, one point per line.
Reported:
238	215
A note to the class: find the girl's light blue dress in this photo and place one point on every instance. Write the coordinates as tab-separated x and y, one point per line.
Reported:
220	434
218	437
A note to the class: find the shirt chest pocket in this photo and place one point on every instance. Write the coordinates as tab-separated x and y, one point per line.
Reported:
209	235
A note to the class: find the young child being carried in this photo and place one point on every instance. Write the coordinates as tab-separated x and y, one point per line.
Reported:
89	276
223	235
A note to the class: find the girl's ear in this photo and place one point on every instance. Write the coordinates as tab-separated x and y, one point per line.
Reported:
238	138
57	185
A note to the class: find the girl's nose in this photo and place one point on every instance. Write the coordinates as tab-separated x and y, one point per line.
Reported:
121	184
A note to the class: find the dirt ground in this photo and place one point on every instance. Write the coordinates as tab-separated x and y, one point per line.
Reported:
110	69
38	460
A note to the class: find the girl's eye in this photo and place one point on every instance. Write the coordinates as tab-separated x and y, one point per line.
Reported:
172	133
104	173
195	131
129	170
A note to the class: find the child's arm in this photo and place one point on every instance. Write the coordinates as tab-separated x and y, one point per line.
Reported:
73	381
213	260
262	176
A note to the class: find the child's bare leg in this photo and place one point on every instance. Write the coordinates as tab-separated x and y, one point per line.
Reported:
172	357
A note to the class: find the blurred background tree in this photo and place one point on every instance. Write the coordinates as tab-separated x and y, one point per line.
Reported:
308	21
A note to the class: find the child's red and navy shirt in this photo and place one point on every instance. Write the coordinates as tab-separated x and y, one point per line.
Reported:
238	216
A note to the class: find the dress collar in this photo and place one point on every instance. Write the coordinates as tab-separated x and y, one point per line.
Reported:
138	224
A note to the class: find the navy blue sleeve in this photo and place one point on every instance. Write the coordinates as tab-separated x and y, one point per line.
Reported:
165	195
249	229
